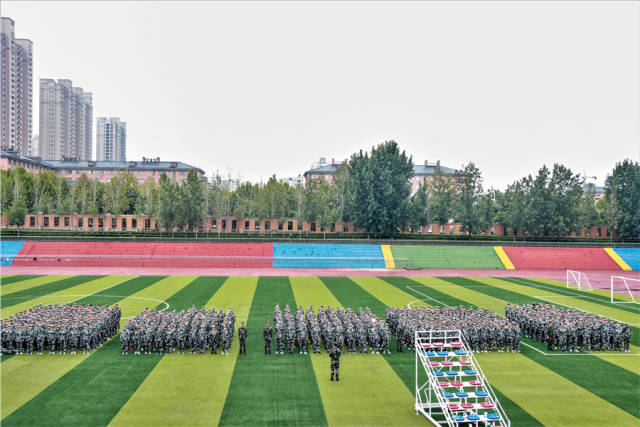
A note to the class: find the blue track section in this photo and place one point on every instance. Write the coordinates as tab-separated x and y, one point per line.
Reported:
327	256
631	256
8	251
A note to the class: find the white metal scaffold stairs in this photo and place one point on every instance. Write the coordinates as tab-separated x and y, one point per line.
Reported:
451	389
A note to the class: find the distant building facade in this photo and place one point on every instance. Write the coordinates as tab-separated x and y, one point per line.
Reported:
66	120
421	173
16	87
111	139
72	169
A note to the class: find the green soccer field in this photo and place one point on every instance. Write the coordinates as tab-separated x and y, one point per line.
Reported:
107	388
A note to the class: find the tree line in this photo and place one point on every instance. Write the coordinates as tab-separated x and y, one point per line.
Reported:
372	189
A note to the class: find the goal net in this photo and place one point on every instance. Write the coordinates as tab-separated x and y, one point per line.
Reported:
625	287
578	280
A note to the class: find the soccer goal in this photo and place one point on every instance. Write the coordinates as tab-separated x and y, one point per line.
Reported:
578	280
625	286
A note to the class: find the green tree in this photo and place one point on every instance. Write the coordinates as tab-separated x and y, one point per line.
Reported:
622	189
468	181
381	188
442	195
17	212
168	209
192	201
487	209
6	188
419	214
589	215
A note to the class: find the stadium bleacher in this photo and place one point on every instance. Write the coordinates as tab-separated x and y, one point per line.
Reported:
8	251
630	255
560	258
146	254
448	256
327	256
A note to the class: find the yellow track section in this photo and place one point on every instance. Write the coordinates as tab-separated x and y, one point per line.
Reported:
388	256
504	258
614	256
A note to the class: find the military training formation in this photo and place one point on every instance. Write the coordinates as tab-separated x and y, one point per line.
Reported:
348	331
568	329
162	331
483	330
68	328
63	328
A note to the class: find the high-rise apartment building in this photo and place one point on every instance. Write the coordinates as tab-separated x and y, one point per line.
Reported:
35	146
16	89
111	139
66	119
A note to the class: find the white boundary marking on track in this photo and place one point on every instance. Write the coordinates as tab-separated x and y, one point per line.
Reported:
522	342
560	290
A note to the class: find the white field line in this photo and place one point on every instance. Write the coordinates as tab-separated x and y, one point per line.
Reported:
560	290
522	342
427	296
108	287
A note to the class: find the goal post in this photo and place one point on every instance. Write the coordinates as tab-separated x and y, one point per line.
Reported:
624	286
578	280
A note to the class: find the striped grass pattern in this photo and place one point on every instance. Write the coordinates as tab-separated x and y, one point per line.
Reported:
107	388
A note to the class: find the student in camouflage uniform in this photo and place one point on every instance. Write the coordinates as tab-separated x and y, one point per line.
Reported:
567	329
50	327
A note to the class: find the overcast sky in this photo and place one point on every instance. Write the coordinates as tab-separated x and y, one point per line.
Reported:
266	88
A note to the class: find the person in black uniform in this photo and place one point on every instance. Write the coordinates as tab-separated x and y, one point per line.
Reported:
267	333
242	337
334	354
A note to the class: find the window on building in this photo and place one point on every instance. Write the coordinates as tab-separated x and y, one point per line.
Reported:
313	226
234	224
246	225
134	223
267	225
90	222
147	223
214	223
289	225
299	226
66	221
124	223
32	221
100	223
114	223
257	226
224	224
56	221
599	232
333	226
280	226
46	221
80	222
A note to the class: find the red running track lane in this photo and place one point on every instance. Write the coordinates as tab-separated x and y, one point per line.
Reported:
144	254
598	278
548	258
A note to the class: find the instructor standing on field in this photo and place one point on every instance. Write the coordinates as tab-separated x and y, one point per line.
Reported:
334	354
242	337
